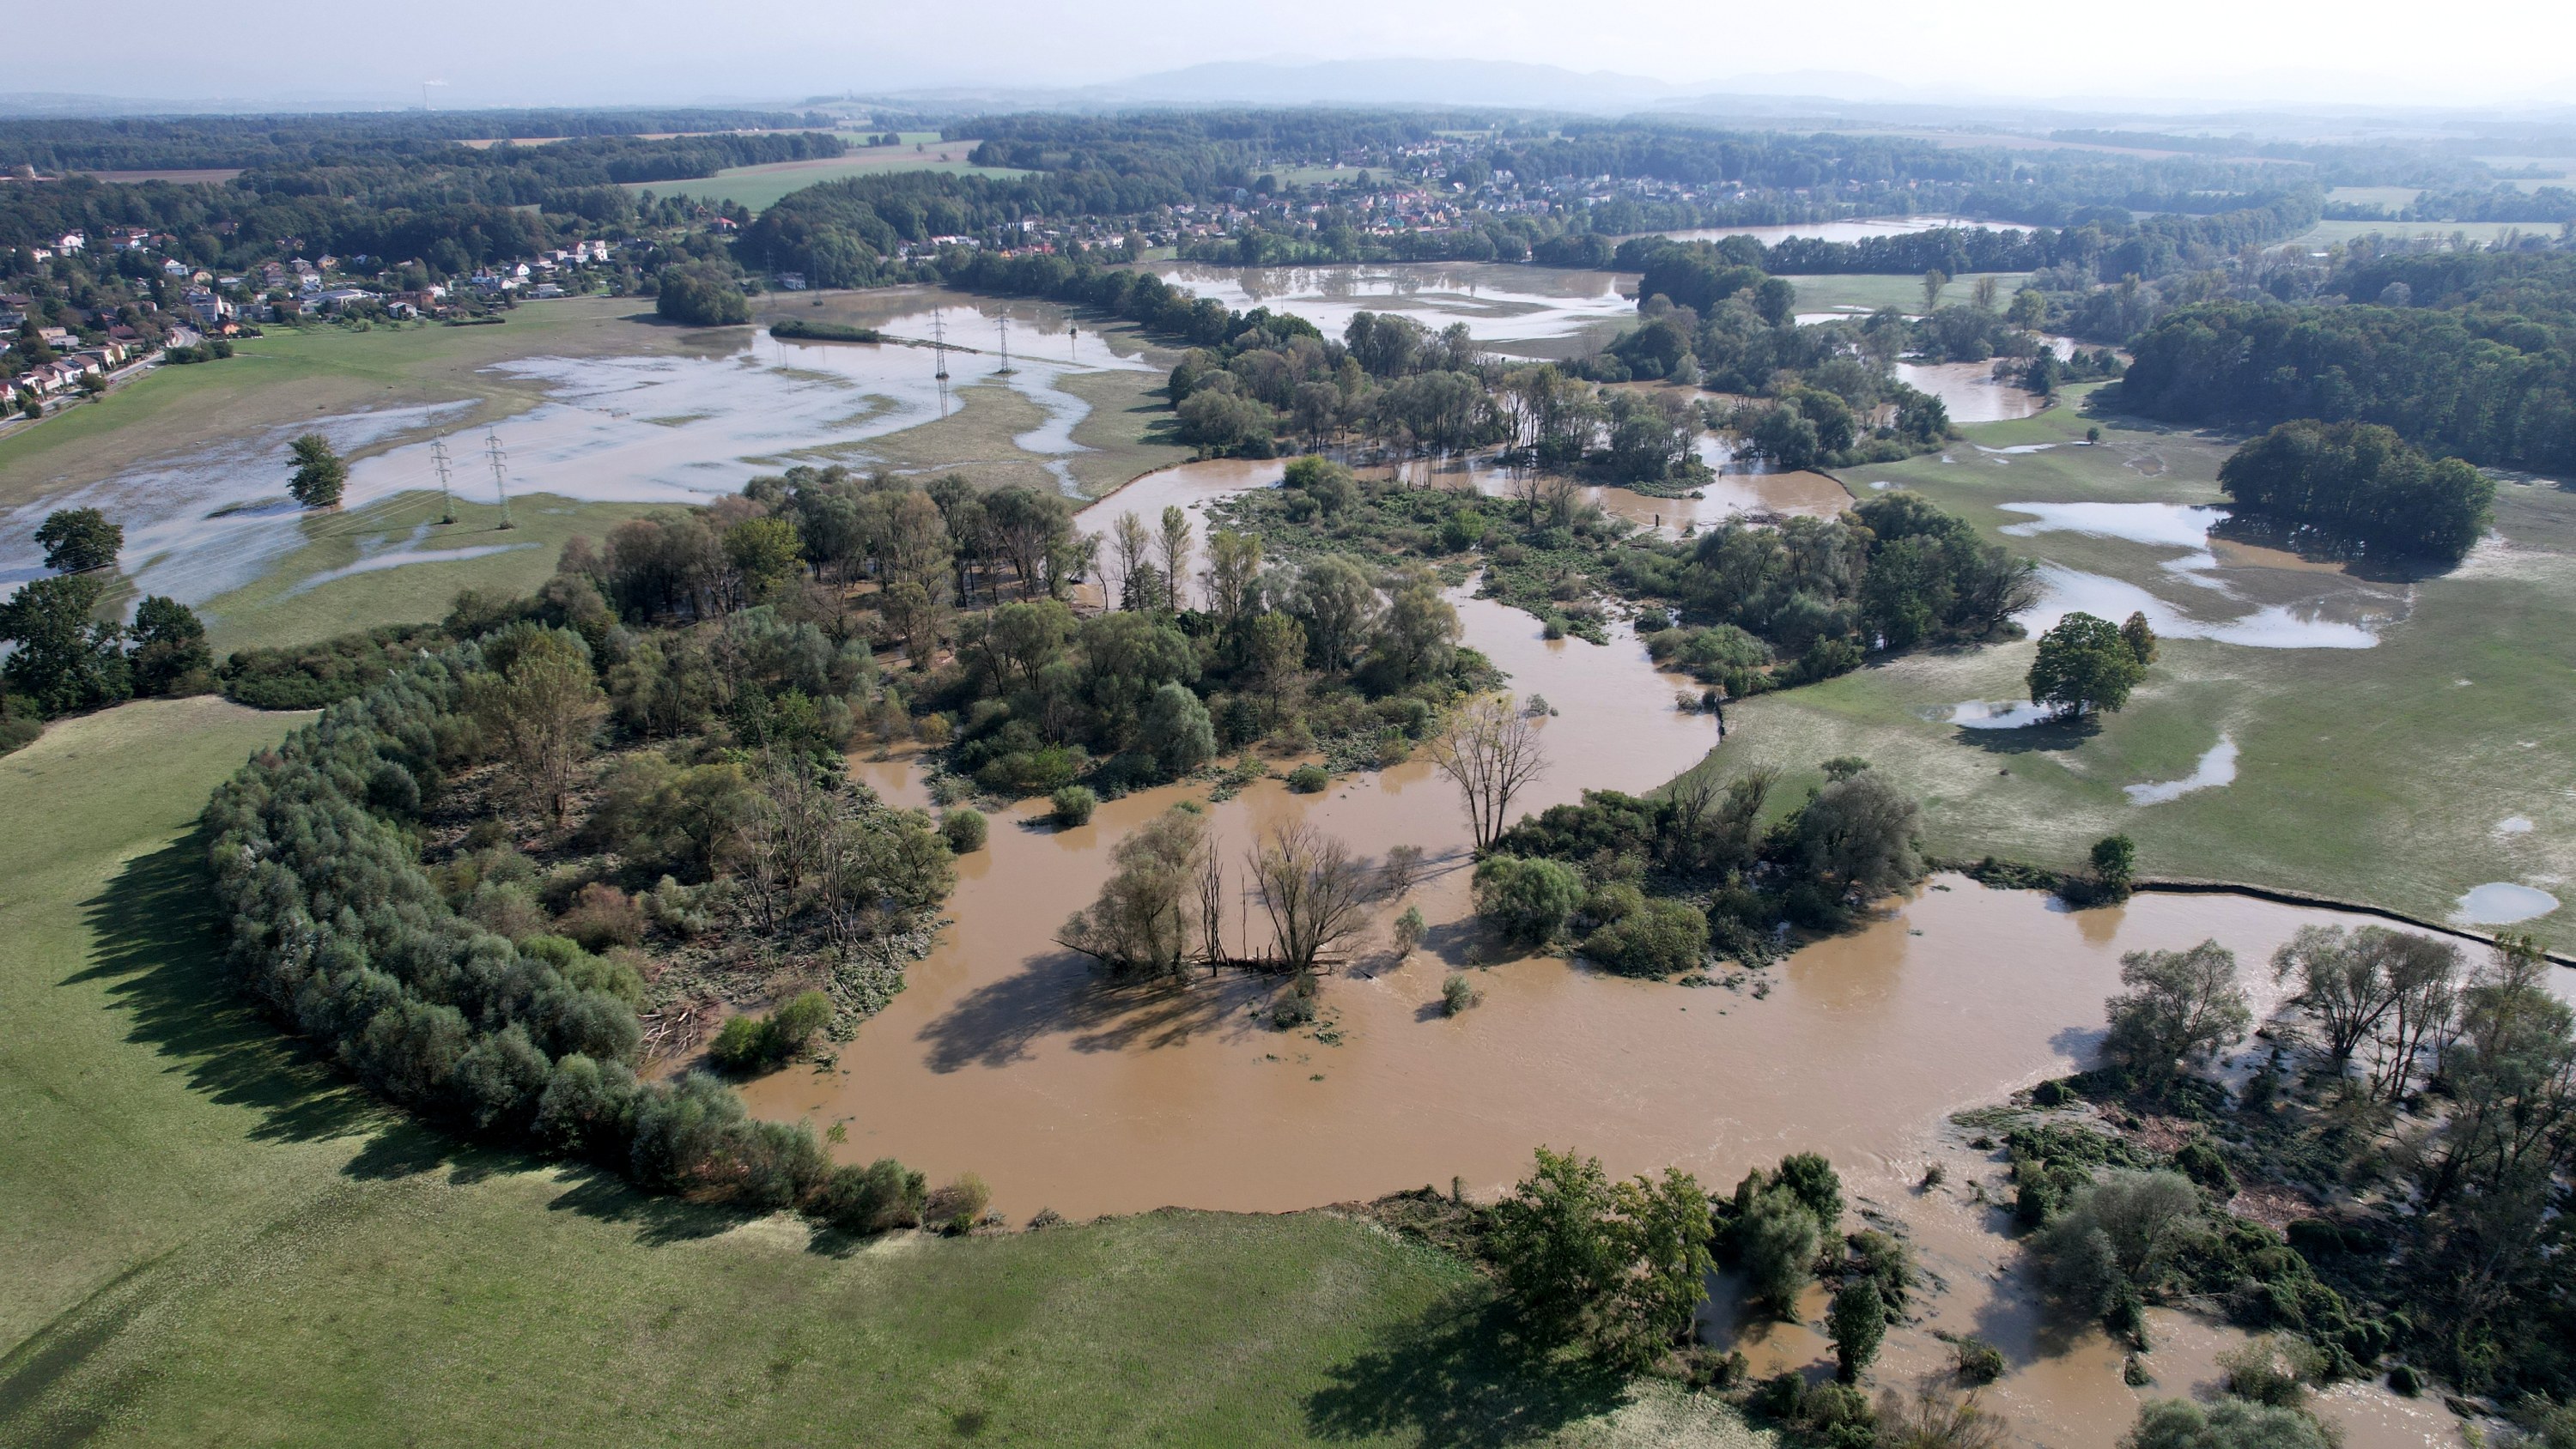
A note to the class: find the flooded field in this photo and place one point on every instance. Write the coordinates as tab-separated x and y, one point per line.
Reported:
676	429
1862	229
1511	308
1010	1056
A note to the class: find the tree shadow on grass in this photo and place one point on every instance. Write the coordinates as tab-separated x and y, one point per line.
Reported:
1459	1376
2047	736
161	960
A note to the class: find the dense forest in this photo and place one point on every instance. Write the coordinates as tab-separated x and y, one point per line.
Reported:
2462	352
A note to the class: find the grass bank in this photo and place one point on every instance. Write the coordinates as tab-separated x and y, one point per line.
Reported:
197	1211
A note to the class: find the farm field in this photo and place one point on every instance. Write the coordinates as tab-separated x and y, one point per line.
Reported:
2401	774
759	187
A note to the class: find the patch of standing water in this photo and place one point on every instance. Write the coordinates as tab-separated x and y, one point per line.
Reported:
1981	714
2217	767
1970	390
1861	229
2177	524
2514	825
1501	304
209	519
2066	591
2503	903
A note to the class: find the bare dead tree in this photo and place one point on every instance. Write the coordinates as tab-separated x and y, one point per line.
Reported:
1211	909
1315	892
1491	751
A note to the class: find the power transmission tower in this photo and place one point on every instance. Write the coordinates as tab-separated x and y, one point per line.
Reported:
1005	369
500	480
446	499
939	343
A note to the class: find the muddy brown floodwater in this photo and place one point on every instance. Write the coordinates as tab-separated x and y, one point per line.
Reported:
1009	1056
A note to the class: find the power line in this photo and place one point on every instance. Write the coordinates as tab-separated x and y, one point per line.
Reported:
500	480
446	500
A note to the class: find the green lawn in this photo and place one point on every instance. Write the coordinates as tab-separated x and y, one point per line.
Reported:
1825	294
213	1241
2378	775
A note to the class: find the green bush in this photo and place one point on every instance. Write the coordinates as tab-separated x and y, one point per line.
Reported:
1658	938
1308	780
1526	900
1073	805
877	1198
965	829
1978	1361
959	1204
1456	995
748	1044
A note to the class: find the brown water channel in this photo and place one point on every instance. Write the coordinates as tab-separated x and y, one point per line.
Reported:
1008	1056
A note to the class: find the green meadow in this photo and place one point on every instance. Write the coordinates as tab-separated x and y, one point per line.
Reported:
2385	775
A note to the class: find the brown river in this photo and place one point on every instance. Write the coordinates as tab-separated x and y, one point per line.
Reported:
1007	1055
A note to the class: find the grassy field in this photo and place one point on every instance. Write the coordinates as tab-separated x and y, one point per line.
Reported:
1824	294
759	187
2327	233
2380	774
212	1241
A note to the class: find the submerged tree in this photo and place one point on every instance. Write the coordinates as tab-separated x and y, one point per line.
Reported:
319	472
2185	1007
1315	892
1490	750
1145	917
1619	1267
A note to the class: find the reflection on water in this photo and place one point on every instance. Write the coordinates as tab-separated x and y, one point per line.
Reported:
2178	524
209	518
2346	621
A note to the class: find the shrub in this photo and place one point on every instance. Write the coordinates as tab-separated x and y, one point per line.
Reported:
1978	1361
1456	995
964	828
1308	780
959	1204
1073	805
1858	1319
1526	900
877	1198
1778	1239
749	1044
603	916
1658	938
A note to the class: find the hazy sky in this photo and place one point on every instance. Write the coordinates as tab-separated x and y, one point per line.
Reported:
490	52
